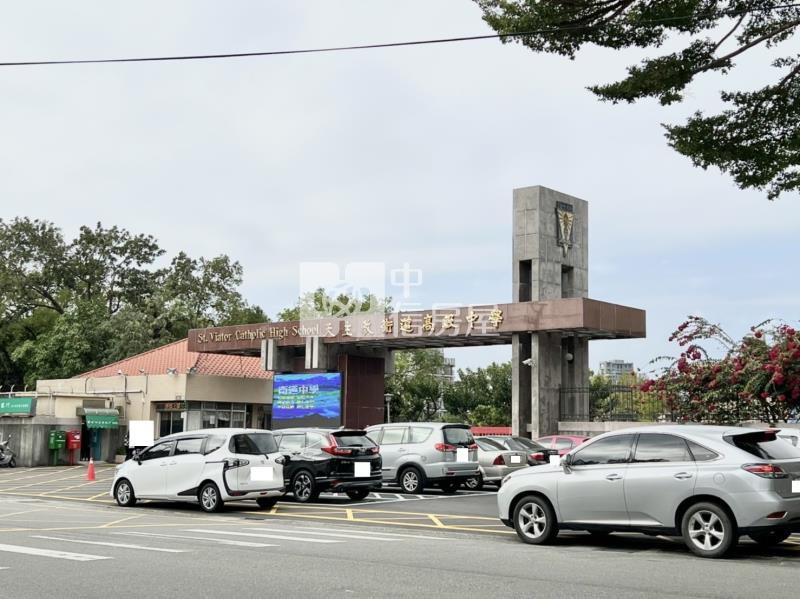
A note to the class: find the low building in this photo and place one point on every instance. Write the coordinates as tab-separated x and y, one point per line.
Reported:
173	387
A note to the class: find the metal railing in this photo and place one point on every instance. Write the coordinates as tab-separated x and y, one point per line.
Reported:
618	403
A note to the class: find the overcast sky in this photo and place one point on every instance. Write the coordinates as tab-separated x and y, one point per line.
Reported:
404	155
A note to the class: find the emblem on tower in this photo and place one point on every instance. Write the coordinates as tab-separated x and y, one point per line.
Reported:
565	217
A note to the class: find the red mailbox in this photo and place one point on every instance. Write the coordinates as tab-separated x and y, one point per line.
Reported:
73	443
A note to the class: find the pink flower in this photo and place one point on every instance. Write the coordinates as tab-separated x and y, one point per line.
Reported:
778	378
759	334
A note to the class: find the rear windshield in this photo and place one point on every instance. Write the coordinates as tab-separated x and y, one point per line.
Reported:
523	444
353	439
458	436
489	445
765	446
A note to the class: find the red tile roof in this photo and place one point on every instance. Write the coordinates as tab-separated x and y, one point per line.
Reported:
177	355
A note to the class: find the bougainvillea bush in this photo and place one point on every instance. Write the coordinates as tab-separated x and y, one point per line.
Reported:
758	377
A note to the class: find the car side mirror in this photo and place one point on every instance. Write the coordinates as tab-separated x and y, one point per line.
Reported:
566	462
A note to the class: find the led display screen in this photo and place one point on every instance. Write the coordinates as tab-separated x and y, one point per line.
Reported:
313	399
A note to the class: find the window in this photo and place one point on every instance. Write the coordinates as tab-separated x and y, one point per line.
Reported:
700	453
522	444
458	436
316	440
213	443
353	439
661	448
393	436
764	445
418	434
489	445
256	443
611	450
162	450
563	443
170	422
292	442
185	446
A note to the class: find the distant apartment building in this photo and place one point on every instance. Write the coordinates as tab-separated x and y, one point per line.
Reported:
616	369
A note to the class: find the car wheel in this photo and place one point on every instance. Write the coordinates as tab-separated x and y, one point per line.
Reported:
475	483
123	493
358	494
708	530
304	487
411	480
450	488
266	502
12	463
770	537
210	501
535	521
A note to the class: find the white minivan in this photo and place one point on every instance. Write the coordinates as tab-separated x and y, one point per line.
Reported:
208	466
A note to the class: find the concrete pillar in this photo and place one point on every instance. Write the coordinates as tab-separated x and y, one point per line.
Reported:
550	253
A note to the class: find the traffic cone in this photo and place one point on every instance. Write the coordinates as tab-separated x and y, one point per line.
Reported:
90	472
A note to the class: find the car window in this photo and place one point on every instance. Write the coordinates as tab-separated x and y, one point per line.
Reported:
611	450
789	439
563	443
253	444
522	444
489	445
545	441
186	446
661	448
316	440
419	434
292	442
764	445
162	450
353	439
213	443
700	453
455	435
393	436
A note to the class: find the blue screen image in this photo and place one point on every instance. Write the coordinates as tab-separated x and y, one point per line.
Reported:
312	399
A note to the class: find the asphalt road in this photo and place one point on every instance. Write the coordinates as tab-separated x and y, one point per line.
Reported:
87	549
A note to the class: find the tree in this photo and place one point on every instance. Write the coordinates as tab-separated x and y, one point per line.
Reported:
319	303
757	378
482	396
755	139
416	384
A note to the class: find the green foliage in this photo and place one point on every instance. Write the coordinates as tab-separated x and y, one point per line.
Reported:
755	139
481	397
69	307
416	385
319	303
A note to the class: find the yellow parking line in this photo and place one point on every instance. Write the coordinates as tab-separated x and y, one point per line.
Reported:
94	497
110	524
24	512
436	520
349	514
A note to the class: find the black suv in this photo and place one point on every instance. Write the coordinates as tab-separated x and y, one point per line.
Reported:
324	460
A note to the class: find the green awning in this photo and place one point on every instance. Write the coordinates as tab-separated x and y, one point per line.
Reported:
100	417
17	406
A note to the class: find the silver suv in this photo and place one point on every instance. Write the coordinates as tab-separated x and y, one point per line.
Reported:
420	454
708	484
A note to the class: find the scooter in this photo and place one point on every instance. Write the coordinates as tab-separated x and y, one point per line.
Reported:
8	458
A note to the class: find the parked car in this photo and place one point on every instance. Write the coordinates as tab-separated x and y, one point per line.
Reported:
320	460
563	443
537	454
790	435
495	462
708	484
207	466
417	455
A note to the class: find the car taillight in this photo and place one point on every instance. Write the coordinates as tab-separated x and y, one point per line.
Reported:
473	446
235	463
334	449
766	470
538	456
444	447
498	461
374	450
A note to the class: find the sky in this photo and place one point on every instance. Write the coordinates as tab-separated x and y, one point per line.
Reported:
397	156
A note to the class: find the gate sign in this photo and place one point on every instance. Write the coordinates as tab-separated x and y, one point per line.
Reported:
17	406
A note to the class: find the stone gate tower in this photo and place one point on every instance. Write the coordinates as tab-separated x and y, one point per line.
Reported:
550	261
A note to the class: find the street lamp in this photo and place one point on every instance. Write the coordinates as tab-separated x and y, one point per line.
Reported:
388	398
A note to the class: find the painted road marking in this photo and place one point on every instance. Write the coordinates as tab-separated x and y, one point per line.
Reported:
367	537
391	534
264	535
187	538
76	557
109	544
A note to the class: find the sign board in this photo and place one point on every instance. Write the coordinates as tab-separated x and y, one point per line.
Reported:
313	399
17	406
141	433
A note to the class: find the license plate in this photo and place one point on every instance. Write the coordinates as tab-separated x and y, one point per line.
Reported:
796	486
515	459
260	473
462	454
555	459
361	469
